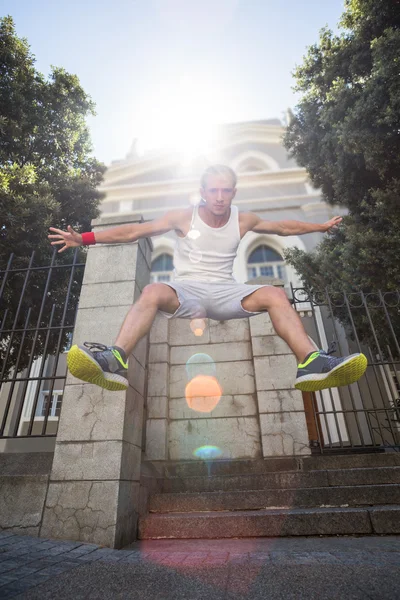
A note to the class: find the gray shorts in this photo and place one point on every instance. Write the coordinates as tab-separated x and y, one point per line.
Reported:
218	301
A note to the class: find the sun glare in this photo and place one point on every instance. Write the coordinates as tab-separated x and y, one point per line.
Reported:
181	118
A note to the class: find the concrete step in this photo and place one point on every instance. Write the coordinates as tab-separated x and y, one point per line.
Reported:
271	523
364	495
351	461
271	465
284	480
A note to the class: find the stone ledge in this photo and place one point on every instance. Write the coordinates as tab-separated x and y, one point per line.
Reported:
21	502
262	523
385	519
286	498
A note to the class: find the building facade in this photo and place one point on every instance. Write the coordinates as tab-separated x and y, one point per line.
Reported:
270	183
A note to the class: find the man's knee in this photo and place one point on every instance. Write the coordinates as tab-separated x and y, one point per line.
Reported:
153	292
275	295
161	295
265	298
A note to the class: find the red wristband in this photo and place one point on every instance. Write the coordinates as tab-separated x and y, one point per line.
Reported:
88	238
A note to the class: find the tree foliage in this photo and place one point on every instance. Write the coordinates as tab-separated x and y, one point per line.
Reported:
47	177
345	132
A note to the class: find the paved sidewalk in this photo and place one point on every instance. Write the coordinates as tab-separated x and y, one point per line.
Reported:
254	568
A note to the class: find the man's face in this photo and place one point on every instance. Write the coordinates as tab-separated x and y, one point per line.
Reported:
218	193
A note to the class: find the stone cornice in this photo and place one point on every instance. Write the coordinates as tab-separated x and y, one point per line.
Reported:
188	186
229	137
292	202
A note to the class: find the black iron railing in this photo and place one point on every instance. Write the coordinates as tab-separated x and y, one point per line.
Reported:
364	415
38	306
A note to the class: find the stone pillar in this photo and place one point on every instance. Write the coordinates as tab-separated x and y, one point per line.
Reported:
93	492
158	391
282	418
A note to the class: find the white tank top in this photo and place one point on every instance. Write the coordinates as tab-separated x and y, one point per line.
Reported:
207	253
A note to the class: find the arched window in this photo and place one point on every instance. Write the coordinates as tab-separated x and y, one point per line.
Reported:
265	261
161	268
250	165
253	161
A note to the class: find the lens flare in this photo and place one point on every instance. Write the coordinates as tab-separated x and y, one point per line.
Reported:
207	452
195	256
193	234
195	199
198	326
203	393
200	364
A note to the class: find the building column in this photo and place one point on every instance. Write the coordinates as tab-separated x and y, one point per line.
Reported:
158	391
93	493
282	417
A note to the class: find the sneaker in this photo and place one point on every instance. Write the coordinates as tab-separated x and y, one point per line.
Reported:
320	370
104	367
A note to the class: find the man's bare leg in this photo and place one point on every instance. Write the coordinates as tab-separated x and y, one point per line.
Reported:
319	371
285	320
138	321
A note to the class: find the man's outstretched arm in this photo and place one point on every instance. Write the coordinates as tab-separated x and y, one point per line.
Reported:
289	227
121	234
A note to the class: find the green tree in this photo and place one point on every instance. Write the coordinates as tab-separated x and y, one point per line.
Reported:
47	177
345	132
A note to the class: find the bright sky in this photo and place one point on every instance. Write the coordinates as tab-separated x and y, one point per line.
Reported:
161	70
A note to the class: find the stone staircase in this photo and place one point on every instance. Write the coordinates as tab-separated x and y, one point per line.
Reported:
319	495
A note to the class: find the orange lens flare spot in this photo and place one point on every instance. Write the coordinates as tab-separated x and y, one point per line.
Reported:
203	393
198	326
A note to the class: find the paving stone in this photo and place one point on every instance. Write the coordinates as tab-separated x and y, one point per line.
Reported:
9	541
57	550
87	558
264	556
238	559
18	587
45	554
10	555
48	545
354	558
24	571
7	578
132	558
328	558
193	560
155	556
106	553
45	562
71	545
83	549
60	568
8	565
175	558
215	561
112	558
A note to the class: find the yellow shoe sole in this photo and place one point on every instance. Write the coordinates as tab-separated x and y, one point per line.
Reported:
344	374
83	367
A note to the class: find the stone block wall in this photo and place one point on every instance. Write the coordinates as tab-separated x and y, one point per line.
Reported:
94	488
282	418
259	414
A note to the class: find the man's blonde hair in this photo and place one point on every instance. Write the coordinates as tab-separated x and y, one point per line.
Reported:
218	170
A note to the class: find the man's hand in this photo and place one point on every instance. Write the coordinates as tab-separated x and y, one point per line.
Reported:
331	224
69	238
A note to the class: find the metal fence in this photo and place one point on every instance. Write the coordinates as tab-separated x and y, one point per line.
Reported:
38	306
364	415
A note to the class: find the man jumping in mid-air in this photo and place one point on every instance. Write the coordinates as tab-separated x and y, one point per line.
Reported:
203	287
